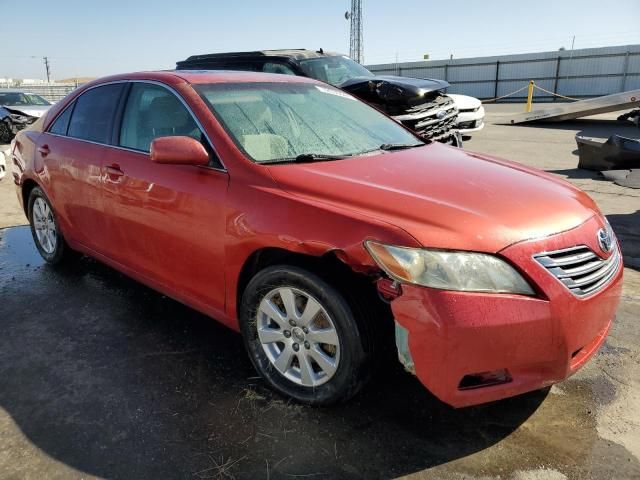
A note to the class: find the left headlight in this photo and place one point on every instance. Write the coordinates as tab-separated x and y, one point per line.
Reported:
449	270
19	118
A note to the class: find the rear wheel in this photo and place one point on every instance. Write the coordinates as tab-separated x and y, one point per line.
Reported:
302	336
44	229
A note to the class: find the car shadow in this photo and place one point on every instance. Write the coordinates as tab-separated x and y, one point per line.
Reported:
578	173
593	127
118	381
627	229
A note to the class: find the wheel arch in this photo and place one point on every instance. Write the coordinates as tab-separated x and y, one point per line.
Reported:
357	285
26	188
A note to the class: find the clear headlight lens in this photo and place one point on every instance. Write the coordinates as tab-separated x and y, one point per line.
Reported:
449	270
18	118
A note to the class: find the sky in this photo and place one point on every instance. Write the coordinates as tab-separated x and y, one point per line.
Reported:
88	38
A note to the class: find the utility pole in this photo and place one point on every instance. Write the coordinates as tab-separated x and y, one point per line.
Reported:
47	68
356	43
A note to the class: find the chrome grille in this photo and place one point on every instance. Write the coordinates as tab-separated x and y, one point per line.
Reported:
423	119
580	269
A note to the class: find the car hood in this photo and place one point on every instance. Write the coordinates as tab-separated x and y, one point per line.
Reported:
391	89
465	102
416	84
31	110
444	197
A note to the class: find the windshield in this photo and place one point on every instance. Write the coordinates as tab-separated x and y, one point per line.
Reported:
333	70
19	98
282	121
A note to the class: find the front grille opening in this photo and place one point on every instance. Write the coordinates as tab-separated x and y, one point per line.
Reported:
485	379
580	269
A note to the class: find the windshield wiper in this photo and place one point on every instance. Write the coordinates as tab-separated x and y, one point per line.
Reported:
312	157
399	146
307	157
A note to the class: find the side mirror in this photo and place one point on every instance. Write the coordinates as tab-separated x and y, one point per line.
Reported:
178	151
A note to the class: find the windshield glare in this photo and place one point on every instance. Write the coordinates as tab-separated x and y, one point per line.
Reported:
280	121
333	70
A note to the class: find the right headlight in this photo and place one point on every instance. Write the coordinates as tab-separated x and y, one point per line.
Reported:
449	270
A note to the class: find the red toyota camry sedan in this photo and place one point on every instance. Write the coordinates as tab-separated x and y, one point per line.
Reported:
325	232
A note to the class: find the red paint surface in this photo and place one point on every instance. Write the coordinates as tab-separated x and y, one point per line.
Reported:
187	231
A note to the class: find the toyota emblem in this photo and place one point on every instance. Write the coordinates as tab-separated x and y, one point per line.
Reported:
605	240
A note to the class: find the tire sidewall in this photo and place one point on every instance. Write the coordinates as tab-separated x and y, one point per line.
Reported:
346	381
57	255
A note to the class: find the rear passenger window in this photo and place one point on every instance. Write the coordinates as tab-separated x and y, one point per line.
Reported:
153	111
93	114
273	67
61	124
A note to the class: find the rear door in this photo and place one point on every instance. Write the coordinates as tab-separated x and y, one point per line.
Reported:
166	222
73	150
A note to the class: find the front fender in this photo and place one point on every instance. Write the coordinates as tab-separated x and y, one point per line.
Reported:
267	217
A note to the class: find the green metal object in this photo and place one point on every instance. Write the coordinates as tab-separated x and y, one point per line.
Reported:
402	344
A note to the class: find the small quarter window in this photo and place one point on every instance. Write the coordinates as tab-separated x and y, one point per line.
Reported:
61	124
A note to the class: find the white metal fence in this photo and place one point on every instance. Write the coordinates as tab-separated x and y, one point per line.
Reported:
581	73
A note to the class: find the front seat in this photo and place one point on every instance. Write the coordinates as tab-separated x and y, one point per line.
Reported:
168	118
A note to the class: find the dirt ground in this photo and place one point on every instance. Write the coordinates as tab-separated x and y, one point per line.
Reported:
102	377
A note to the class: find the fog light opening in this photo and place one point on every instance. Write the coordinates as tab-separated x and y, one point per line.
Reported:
388	289
484	379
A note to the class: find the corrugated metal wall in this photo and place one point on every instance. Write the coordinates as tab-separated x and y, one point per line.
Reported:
584	73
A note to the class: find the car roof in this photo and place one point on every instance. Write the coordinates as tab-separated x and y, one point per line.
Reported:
295	53
174	77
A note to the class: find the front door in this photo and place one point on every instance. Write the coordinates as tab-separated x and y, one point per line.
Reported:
166	222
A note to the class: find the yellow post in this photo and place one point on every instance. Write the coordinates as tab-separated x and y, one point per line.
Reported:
529	97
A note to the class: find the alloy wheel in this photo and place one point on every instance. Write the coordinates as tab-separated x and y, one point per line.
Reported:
44	225
298	336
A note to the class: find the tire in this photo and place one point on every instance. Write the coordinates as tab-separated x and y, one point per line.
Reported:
6	135
45	230
330	364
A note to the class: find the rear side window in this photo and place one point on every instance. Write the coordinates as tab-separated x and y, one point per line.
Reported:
93	114
242	66
153	111
61	124
275	67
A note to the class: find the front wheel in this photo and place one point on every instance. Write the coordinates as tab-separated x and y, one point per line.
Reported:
302	336
45	230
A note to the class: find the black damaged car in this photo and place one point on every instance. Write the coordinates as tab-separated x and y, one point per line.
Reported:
420	104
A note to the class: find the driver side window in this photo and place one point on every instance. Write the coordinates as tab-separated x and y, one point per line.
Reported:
153	111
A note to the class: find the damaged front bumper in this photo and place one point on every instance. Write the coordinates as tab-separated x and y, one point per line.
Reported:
470	121
12	121
472	348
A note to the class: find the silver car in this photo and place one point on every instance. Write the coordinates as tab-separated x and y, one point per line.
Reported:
26	102
19	109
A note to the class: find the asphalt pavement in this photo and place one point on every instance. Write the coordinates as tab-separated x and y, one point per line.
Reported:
103	377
